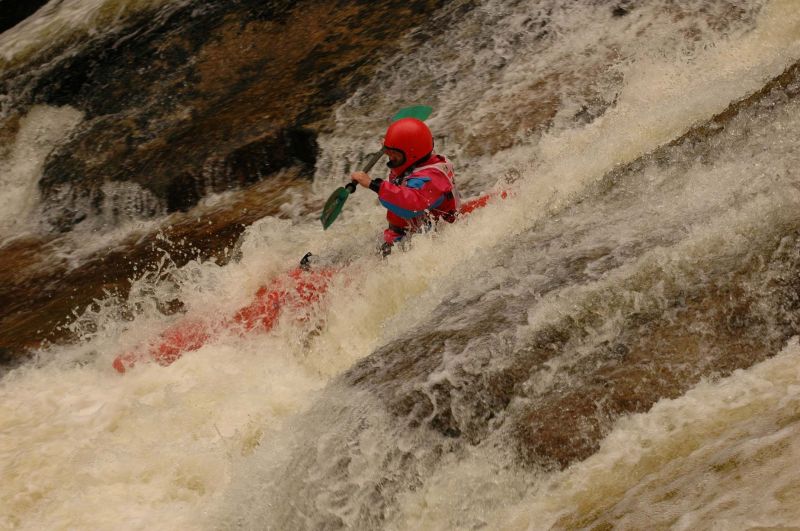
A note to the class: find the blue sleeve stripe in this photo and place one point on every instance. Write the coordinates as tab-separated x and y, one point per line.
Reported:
402	212
417	182
410	214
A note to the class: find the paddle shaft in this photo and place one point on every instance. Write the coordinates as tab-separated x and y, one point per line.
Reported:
373	159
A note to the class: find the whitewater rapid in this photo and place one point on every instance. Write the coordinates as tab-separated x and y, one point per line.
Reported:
254	431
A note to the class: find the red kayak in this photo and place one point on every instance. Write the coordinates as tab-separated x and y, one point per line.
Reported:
294	290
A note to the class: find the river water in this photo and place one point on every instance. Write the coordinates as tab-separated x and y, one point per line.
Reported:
484	378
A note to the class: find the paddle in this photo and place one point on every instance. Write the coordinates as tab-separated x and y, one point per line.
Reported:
420	112
333	206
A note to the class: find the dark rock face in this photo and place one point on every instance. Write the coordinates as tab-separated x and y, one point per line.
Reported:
212	99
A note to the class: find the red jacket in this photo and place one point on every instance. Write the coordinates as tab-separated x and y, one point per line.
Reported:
427	193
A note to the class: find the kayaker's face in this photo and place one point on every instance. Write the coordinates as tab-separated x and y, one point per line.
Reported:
396	157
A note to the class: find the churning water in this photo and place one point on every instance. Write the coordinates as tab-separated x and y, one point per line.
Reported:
613	345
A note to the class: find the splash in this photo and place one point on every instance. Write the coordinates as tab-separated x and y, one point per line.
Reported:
42	129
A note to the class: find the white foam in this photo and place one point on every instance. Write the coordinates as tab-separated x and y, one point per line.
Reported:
60	19
39	132
721	456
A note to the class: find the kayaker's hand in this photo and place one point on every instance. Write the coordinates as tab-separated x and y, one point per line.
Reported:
361	178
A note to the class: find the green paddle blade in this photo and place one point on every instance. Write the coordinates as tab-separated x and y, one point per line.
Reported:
333	206
420	112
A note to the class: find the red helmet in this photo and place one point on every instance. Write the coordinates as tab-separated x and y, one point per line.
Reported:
412	138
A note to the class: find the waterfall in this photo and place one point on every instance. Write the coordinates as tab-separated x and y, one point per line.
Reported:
614	344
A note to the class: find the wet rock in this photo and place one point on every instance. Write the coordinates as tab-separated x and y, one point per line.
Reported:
228	97
664	359
210	99
558	392
469	382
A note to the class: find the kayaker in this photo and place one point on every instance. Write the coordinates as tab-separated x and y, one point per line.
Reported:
421	186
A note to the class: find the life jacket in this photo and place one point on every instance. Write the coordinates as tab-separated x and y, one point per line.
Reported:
420	196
